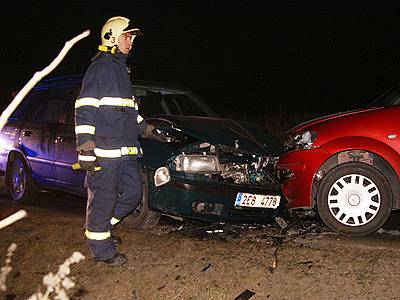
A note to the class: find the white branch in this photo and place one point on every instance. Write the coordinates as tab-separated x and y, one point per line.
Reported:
38	76
13	218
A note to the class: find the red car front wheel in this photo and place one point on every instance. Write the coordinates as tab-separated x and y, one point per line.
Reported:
354	199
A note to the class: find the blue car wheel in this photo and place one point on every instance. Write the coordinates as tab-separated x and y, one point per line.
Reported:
22	187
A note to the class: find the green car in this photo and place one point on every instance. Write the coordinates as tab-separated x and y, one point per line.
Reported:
208	168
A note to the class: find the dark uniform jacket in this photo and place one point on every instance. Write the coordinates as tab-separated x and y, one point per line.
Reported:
106	111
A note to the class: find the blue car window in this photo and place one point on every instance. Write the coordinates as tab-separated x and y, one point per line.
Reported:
69	116
53	104
28	104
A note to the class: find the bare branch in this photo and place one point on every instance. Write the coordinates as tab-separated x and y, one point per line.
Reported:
13	218
38	76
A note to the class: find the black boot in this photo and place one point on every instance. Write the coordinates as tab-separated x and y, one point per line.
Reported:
116	261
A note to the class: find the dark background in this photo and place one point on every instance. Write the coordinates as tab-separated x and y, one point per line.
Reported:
243	56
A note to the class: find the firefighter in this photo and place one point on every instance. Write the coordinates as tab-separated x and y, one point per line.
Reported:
107	126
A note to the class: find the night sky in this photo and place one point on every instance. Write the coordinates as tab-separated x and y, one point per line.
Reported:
242	56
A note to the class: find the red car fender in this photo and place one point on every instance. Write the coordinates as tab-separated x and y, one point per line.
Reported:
298	169
364	143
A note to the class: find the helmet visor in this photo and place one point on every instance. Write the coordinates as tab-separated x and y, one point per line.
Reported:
132	29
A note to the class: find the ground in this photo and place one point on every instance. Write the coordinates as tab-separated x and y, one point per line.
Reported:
187	260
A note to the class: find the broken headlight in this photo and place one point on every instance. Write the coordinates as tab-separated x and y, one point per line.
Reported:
197	163
304	140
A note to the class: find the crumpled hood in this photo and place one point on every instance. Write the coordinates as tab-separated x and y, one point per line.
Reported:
248	137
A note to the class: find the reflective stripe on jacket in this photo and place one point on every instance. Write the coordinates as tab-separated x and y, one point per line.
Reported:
106	111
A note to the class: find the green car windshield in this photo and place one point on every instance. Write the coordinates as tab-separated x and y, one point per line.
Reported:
162	102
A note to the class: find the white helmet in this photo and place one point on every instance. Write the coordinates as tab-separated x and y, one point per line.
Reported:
113	28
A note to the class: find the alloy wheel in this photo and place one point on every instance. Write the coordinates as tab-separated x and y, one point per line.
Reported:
18	179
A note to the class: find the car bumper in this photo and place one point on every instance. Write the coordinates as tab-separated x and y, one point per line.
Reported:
297	170
212	202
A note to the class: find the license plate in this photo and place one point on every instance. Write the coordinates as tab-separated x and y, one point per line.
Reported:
256	200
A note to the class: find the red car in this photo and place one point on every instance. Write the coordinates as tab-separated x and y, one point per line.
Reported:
346	166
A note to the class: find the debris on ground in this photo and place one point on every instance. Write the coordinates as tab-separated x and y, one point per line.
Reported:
307	263
206	267
247	294
391	232
162	256
281	222
273	234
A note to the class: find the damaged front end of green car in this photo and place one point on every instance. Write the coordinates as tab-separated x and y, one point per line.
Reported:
219	175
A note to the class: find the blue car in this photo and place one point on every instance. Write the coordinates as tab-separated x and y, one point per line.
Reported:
208	167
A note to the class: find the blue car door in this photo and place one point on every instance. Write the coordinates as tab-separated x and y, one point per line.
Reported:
66	155
38	134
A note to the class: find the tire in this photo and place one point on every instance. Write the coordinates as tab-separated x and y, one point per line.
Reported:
22	187
354	199
142	217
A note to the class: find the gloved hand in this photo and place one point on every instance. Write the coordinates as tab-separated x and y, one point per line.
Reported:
147	131
159	136
88	161
153	133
